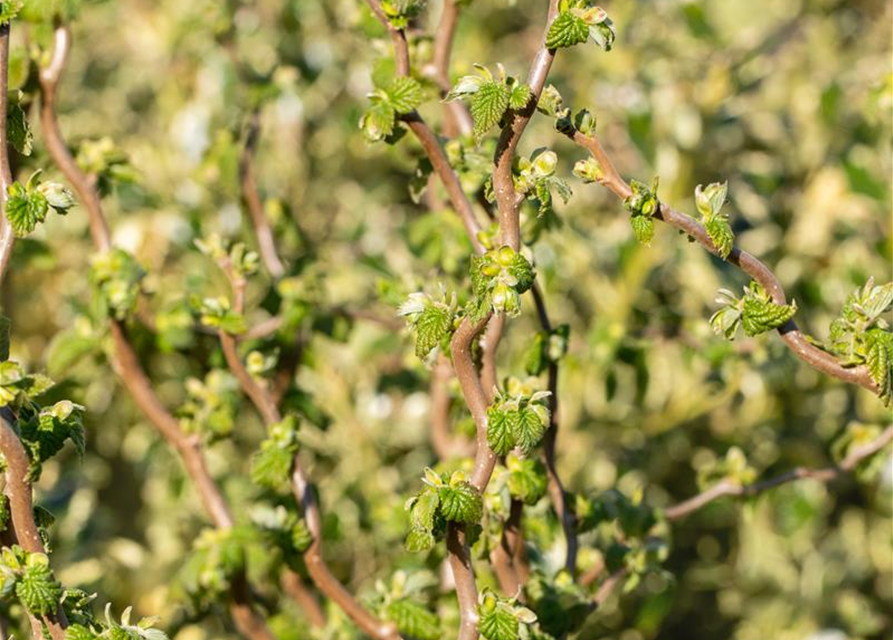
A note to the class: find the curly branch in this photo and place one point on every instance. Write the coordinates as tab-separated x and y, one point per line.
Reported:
796	341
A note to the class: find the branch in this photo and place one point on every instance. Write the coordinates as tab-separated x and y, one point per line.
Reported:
826	474
7	234
557	493
251	195
301	487
125	360
790	332
18	491
458	118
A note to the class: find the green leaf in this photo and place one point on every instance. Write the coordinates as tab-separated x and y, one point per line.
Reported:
643	229
499	432
520	96
9	9
432	325
720	233
79	632
24	209
567	30
418	540
18	129
526	479
271	465
378	121
527	427
879	358
498	624
413	619
423	509
759	314
461	503
523	272
37	589
488	105
301	537
537	360
404	94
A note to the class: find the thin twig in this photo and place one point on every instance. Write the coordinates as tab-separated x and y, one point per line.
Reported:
18	492
7	234
458	119
790	332
826	474
126	362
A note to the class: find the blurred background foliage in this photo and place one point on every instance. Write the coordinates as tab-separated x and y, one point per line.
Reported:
788	101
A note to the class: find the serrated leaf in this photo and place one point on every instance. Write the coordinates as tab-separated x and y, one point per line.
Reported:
461	503
759	315
879	359
423	509
498	624
488	105
404	94
499	432
520	96
567	30
378	121
413	619
79	632
37	589
720	233
432	325
271	465
523	272
18	129
527	427
25	209
418	541
527	480
643	229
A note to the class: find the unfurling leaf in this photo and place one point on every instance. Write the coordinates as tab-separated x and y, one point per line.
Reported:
566	30
721	234
37	589
404	94
461	502
760	314
879	359
488	105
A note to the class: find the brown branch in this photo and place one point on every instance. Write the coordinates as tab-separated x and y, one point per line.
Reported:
294	586
790	332
458	119
18	492
303	491
430	144
826	474
7	234
125	360
463	575
444	443
251	196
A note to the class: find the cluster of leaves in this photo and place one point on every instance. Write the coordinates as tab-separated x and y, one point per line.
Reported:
106	161
210	406
401	602
522	479
271	465
578	21
709	201
622	527
503	618
116	277
445	498
535	178
218	313
400	12
859	335
561	605
45	431
236	258
498	278
732	468
432	319
399	96
642	205
547	348
29	577
490	98
755	311
284	529
109	629
218	556
518	417
28	205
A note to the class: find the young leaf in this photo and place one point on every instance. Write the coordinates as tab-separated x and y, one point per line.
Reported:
25	208
488	105
499	623
413	619
759	314
566	30
519	97
499	433
37	589
721	234
431	326
404	94
879	358
378	121
418	540
643	229
528	428
18	129
461	503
